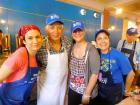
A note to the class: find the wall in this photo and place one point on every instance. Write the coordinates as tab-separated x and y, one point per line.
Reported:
17	12
116	33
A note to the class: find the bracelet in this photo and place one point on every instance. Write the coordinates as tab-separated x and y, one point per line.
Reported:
87	96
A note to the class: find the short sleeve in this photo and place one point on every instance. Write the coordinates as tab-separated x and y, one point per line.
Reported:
16	60
119	45
138	48
124	64
94	60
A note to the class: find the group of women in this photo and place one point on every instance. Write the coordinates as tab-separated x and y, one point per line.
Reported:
95	74
109	68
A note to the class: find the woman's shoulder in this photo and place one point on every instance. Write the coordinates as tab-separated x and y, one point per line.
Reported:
18	57
21	51
116	52
90	45
92	50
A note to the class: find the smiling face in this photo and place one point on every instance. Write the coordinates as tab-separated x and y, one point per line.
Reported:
33	41
78	35
103	42
54	31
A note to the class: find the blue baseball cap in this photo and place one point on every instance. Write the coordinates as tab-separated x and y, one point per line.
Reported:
52	18
132	31
77	24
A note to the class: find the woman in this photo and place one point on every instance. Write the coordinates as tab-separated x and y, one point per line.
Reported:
84	67
19	72
114	65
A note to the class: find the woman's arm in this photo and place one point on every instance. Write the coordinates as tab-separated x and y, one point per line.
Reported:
94	67
137	97
4	72
129	80
15	62
89	88
91	84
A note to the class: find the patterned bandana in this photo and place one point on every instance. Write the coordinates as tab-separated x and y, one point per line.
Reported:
25	28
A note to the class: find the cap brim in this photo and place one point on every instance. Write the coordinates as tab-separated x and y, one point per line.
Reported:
132	34
54	22
77	28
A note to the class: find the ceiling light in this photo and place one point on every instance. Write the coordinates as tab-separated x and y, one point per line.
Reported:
96	15
83	12
112	28
119	11
2	21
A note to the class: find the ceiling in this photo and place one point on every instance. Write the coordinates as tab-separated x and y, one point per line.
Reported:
131	8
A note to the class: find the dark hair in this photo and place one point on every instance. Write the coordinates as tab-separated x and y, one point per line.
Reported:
1	31
102	31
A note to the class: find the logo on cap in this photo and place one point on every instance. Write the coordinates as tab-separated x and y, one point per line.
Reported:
77	24
54	16
132	31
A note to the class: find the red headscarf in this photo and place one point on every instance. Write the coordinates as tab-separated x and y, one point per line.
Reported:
25	28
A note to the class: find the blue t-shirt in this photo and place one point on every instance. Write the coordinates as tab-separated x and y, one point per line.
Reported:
117	63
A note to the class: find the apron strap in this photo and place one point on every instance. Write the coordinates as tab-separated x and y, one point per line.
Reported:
134	45
123	44
48	52
28	58
28	62
65	51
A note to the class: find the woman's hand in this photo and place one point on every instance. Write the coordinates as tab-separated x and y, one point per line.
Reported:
85	98
137	97
136	94
89	88
127	93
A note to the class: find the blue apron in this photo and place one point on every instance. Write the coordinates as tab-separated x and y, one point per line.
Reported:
109	91
18	92
129	53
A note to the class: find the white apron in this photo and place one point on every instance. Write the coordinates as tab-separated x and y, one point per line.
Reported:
54	89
